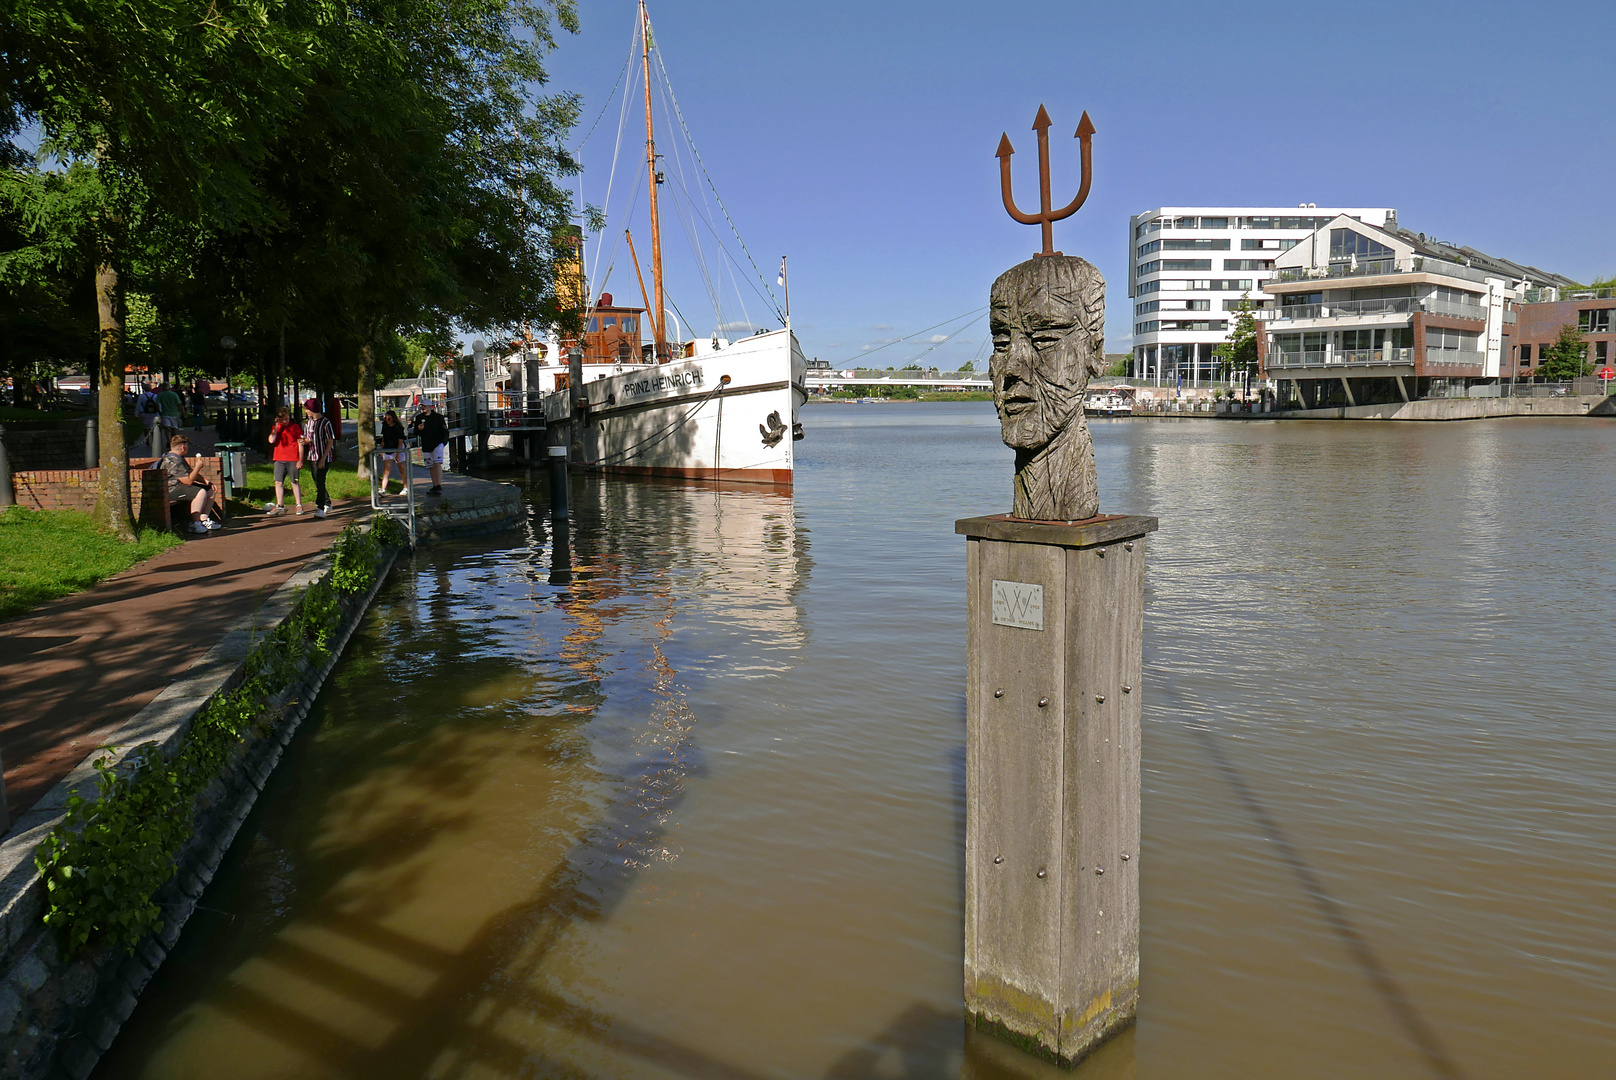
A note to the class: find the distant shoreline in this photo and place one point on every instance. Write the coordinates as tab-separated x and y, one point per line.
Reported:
968	395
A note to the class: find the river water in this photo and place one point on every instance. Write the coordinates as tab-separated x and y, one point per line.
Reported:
698	812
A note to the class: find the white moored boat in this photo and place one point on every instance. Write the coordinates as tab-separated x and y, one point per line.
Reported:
728	413
708	409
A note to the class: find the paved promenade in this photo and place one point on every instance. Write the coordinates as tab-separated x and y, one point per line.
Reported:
73	669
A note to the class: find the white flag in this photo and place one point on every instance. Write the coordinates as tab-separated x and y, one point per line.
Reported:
781	280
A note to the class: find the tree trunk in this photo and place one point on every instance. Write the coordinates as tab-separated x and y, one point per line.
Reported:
112	497
366	421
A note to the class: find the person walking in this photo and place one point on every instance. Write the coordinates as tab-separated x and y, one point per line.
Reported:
199	402
395	458
434	435
169	407
286	451
320	439
148	410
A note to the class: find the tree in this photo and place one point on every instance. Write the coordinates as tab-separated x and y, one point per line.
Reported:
1238	353
1567	358
152	115
968	366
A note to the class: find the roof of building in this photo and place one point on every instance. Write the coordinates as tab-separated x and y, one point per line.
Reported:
1431	247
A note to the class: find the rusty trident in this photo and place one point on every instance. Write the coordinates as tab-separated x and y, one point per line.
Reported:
1045	216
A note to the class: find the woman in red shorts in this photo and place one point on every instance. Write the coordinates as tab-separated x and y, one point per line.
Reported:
286	451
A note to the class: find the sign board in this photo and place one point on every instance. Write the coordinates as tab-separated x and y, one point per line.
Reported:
1019	604
1606	373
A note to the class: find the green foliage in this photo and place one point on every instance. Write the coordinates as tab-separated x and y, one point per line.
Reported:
1239	352
353	560
969	365
105	862
45	554
1118	368
1567	357
390	532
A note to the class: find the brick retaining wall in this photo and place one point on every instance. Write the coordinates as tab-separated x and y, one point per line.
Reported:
76	489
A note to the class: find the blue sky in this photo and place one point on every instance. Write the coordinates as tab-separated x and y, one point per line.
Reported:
859	138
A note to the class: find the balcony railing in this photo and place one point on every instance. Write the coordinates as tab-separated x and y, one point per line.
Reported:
1342	357
1457	311
1378	267
1339	309
1550	294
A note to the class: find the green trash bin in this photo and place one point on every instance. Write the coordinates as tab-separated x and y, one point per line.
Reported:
233	464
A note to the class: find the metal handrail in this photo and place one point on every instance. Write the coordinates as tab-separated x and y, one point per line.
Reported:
376	503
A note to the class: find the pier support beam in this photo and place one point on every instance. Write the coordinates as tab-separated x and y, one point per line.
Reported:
1053	665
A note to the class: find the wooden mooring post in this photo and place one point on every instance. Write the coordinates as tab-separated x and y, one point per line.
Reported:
1054	656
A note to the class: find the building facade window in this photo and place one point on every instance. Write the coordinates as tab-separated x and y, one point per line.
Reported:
1346	243
1186	264
1248	264
1267	245
1196	243
1146	308
1147	327
1594	322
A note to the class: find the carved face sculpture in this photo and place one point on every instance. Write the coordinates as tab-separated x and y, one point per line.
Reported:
1046	317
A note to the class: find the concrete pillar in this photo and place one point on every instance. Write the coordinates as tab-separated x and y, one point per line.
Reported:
1053	665
1402	389
7	495
1346	386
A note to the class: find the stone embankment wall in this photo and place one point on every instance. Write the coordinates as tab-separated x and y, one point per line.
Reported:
1455	409
58	1014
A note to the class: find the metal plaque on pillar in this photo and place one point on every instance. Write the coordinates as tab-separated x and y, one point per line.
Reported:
1054	630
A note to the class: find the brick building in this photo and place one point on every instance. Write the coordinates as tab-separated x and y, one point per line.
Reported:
1539	319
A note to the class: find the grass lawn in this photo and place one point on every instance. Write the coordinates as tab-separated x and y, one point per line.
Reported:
342	482
49	553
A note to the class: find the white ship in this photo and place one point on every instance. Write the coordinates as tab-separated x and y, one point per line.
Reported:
707	408
726	413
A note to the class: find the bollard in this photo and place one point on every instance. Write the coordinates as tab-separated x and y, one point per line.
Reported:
92	447
1054	631
8	497
482	440
558	482
560	551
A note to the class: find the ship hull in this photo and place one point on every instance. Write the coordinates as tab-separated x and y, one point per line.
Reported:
726	415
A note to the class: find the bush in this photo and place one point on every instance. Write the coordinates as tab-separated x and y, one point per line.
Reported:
354	560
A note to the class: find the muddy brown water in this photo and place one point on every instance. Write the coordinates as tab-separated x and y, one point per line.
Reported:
698	813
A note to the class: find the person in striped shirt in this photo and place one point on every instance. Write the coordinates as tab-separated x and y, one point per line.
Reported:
320	439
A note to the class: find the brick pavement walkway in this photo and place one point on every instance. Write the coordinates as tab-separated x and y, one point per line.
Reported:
73	669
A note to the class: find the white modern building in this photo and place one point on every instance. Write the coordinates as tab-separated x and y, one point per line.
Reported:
1370	314
1189	267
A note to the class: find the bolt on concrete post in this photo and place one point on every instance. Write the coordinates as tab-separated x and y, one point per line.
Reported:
1053	664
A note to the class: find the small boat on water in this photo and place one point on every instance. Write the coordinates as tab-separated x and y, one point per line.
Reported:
1109	401
706	408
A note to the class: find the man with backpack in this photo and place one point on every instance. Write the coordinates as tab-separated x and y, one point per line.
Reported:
148	410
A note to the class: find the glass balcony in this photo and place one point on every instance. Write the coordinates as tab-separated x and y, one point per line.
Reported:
1380	267
1387	357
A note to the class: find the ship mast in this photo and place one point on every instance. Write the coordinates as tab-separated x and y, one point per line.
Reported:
658	324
